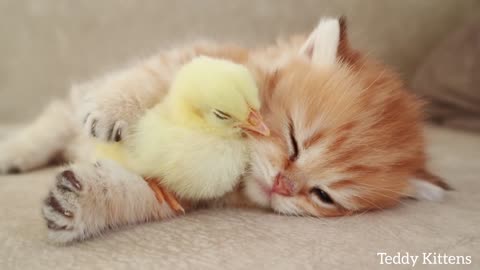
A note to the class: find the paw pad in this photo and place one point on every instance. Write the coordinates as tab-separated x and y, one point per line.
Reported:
70	177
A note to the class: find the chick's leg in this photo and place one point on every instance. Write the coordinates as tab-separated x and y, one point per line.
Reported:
164	195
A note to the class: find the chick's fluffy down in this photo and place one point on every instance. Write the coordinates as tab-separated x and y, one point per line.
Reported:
193	164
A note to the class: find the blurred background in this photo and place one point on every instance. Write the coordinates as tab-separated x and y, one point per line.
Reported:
48	44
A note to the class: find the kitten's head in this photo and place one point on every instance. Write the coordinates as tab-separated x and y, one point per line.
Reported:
346	136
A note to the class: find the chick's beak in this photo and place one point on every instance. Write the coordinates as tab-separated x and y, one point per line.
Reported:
254	123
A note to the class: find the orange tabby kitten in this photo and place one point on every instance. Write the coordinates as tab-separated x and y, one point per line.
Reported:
346	137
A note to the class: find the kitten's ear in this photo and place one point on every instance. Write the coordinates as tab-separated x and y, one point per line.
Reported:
323	44
427	186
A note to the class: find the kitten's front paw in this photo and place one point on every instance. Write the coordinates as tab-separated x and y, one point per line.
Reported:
102	117
103	126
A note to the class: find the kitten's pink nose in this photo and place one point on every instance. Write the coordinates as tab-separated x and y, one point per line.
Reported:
283	186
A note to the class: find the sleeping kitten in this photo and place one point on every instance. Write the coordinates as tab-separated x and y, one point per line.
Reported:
346	137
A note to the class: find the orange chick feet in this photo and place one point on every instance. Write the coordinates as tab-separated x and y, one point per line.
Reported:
164	195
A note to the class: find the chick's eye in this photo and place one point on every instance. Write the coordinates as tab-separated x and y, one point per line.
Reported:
221	115
322	195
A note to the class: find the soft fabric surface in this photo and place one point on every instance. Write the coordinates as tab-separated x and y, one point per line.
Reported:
249	239
450	79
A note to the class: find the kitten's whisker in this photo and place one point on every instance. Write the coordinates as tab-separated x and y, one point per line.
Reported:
382	188
376	79
399	200
370	202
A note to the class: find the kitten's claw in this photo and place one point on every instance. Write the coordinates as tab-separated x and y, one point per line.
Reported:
54	203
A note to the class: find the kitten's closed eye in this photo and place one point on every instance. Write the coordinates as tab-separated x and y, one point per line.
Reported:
293	142
322	195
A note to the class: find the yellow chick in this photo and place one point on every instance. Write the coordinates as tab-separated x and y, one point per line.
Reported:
194	141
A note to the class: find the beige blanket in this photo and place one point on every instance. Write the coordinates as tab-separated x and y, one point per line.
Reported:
249	239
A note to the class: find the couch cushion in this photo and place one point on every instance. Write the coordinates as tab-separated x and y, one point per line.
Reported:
450	79
47	45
